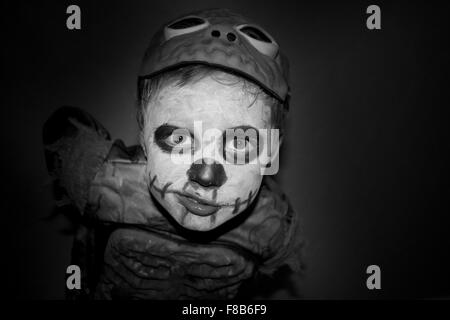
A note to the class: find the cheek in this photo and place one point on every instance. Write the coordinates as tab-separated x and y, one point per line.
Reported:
242	179
160	164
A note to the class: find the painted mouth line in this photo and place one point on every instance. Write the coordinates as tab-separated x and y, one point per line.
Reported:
197	206
238	203
198	199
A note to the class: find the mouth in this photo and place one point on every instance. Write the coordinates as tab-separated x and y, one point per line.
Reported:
197	206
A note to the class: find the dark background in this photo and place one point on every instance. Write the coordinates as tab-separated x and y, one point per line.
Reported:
365	161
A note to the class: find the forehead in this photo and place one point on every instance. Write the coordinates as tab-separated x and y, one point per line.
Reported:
215	103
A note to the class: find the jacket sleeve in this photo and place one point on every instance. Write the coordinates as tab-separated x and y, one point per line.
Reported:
272	231
75	147
286	235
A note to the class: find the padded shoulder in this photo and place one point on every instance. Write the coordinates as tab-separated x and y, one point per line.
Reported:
75	147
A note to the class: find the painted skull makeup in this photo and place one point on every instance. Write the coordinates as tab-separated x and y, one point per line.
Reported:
191	163
201	189
210	84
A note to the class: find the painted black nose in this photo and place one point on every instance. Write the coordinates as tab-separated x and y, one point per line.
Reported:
208	173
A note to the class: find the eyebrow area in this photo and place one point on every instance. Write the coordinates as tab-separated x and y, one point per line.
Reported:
243	127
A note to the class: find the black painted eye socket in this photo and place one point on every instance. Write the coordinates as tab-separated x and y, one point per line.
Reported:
240	145
187	23
170	138
255	33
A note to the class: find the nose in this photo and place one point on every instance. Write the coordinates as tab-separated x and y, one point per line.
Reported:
223	32
208	173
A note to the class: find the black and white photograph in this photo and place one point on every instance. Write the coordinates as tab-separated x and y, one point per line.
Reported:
223	155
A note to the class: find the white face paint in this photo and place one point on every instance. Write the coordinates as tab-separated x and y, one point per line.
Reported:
201	196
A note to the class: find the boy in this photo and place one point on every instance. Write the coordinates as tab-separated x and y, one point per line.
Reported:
191	212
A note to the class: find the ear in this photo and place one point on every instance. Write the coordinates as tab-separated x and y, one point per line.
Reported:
142	143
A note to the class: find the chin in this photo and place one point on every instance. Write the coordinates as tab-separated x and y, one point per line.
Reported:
199	223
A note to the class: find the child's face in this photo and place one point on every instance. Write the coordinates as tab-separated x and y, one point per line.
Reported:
204	194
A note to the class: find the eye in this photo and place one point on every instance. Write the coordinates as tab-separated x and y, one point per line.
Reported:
185	23
255	33
178	138
259	39
184	26
240	146
170	138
